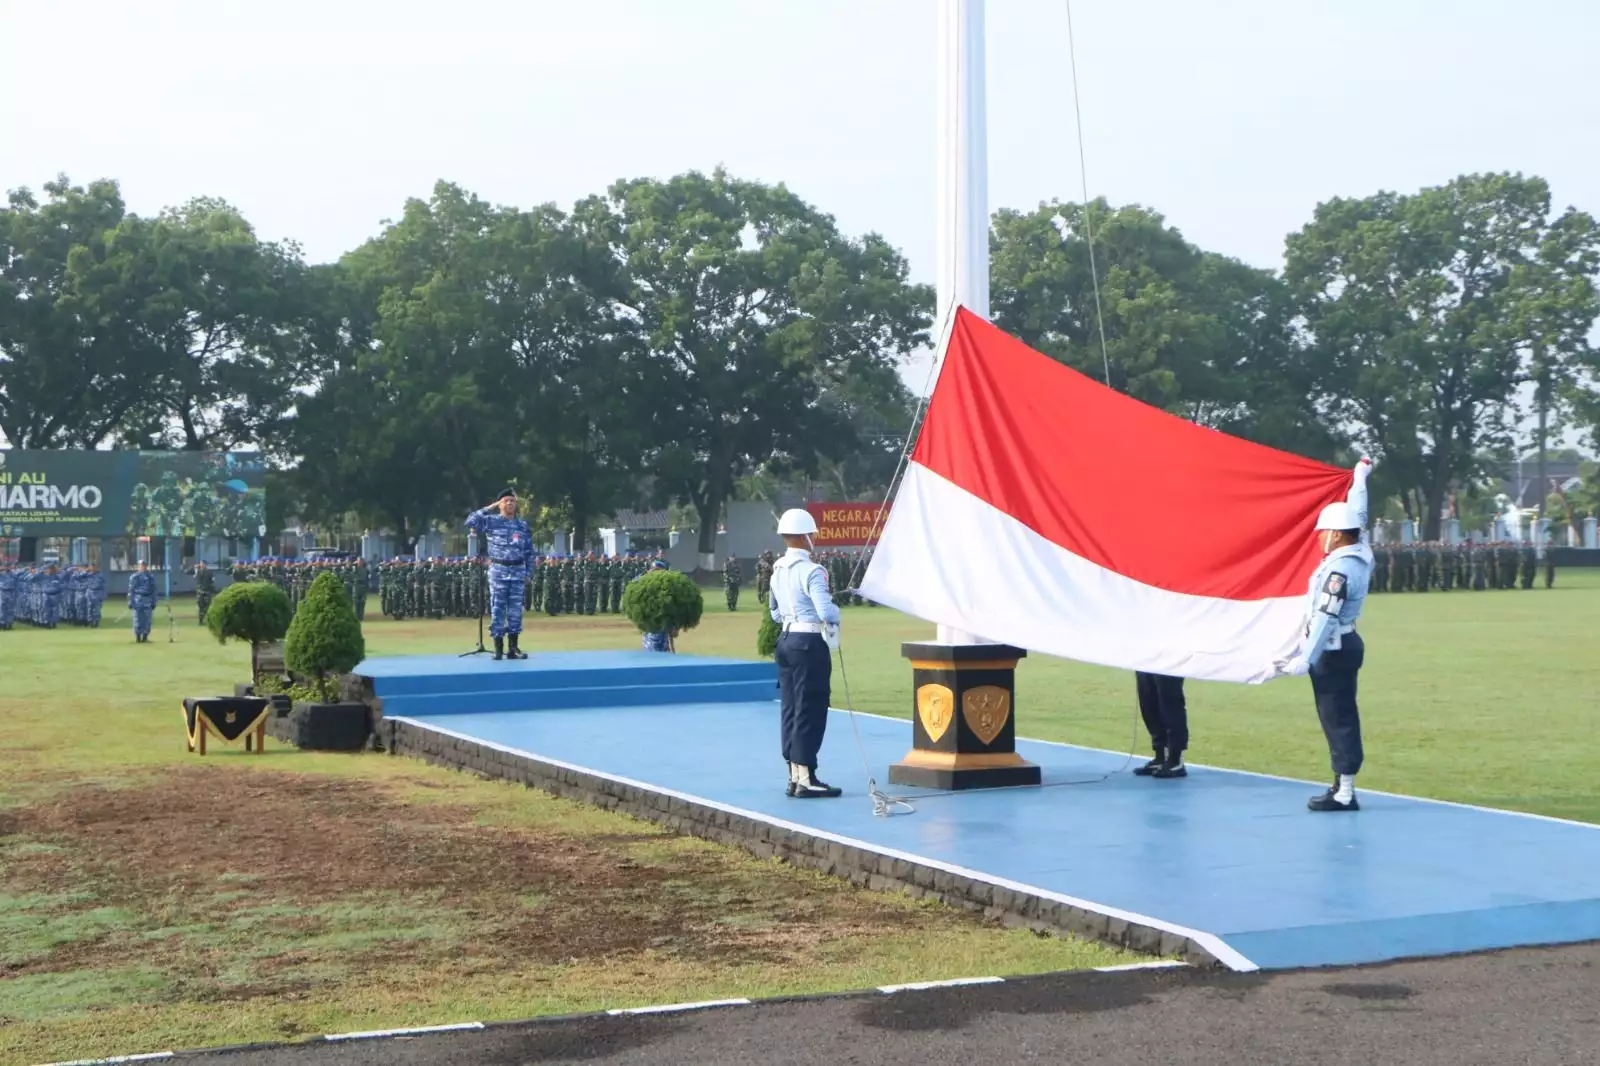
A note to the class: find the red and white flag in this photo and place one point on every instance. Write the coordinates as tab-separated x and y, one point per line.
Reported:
1044	510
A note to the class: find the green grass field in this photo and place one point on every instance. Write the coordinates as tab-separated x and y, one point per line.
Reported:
151	899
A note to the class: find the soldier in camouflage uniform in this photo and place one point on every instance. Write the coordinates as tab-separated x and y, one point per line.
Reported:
764	577
1530	565
1508	566
1549	566
1380	568
731	579
205	589
591	583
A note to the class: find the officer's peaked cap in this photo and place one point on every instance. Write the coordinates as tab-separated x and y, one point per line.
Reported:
507	491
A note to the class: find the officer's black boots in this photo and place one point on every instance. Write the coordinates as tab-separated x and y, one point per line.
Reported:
1171	766
516	651
499	648
1167	764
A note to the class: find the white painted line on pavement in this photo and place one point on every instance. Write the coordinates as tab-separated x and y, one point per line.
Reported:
1159	964
380	1033
918	986
667	1008
147	1057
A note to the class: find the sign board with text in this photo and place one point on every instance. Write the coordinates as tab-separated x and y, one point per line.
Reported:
847	525
131	493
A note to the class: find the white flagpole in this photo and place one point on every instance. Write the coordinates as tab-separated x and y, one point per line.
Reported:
963	164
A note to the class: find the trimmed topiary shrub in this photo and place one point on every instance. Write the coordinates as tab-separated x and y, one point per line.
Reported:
325	637
253	611
767	636
663	601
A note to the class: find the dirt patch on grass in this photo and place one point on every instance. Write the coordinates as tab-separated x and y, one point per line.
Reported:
213	857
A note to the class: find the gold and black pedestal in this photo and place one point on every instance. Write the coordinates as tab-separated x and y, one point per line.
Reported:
963	729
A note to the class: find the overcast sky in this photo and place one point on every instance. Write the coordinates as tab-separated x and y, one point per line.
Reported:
1234	118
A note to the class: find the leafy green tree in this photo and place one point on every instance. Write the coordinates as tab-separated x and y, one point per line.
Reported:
73	359
752	306
257	612
1424	311
325	636
1197	334
227	321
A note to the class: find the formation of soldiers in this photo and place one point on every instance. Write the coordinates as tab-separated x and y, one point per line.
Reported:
1430	565
294	577
459	588
844	569
47	595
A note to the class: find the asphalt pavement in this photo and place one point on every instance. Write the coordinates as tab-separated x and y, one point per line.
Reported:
1528	1007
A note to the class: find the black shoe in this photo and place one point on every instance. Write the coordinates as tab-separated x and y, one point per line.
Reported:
1327	802
1149	768
499	648
1171	766
515	651
814	788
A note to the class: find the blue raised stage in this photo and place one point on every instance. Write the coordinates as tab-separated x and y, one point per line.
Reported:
1229	861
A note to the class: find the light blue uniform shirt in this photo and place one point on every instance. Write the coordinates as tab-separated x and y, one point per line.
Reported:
800	590
1338	589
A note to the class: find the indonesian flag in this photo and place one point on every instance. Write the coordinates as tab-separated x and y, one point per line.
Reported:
1047	511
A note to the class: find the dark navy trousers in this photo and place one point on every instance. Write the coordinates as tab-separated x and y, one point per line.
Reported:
1165	713
805	675
1333	682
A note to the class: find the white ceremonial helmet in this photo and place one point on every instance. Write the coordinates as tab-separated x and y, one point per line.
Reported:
797	522
1338	516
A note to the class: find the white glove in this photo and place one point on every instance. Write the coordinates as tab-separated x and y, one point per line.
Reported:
1294	666
830	634
1363	470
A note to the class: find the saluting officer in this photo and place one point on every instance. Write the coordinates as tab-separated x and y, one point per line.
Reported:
510	543
1330	649
802	605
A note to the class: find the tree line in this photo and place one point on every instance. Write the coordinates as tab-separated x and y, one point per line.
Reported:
699	338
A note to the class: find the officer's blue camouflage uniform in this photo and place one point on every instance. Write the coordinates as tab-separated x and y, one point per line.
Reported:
50	588
8	595
96	593
141	602
510	549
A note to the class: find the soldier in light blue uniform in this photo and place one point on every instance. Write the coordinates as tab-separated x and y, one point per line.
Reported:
8	595
510	546
1330	649
142	601
802	604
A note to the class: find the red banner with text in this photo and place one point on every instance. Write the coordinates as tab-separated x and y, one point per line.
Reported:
848	525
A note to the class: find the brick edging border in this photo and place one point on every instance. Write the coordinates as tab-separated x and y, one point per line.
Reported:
860	866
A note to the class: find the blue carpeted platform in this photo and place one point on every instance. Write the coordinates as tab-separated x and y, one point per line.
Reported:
1232	858
445	684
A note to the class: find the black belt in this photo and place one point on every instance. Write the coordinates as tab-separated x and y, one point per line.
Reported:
508	562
